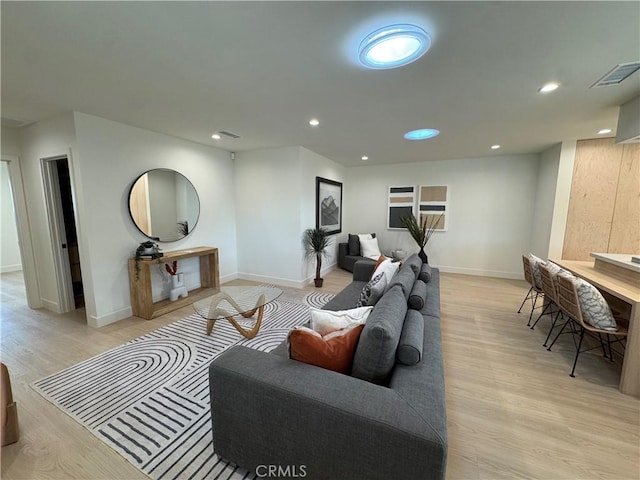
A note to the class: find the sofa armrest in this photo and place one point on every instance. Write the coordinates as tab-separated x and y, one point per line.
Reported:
363	270
270	410
343	251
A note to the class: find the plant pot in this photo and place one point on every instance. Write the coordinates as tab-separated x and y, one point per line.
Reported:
423	256
318	282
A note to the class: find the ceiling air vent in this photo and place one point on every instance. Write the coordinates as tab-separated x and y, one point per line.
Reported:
618	74
228	134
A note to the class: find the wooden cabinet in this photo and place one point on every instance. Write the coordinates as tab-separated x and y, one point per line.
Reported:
142	303
604	207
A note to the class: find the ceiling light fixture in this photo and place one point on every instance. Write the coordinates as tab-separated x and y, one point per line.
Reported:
393	46
549	87
314	122
495	147
422	134
364	157
216	136
604	131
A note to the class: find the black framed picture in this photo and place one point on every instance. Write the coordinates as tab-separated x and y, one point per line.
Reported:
328	205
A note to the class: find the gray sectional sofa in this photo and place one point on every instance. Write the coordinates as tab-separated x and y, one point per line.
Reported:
349	253
268	410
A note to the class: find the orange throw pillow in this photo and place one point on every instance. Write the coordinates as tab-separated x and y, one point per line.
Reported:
334	351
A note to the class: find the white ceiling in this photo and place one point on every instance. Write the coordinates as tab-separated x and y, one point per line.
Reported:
263	69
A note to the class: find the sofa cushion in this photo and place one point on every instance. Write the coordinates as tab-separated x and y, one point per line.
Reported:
414	262
388	267
333	351
354	242
425	273
327	321
418	295
405	278
409	350
369	248
376	352
373	290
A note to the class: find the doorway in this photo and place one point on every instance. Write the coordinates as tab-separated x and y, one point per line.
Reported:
62	223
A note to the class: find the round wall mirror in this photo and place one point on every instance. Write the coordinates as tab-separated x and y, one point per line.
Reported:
164	205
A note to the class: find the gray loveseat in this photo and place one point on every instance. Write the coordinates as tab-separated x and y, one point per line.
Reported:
349	253
269	410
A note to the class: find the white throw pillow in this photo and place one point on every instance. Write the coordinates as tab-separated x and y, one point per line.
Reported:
364	236
389	268
369	248
327	321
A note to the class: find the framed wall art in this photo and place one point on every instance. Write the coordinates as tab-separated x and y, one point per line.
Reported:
402	201
433	205
328	205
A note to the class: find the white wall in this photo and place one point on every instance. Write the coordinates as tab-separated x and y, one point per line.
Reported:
48	138
111	156
562	195
10	140
545	199
314	165
9	247
275	203
491	206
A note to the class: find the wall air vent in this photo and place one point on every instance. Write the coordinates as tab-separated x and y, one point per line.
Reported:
618	74
228	134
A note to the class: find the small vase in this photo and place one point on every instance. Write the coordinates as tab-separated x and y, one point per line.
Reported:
178	290
423	256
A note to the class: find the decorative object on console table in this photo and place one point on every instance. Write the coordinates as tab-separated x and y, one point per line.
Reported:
316	241
178	290
146	251
421	231
328	205
142	304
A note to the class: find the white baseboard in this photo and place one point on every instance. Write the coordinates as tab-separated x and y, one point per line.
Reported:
110	318
274	280
11	268
50	305
480	272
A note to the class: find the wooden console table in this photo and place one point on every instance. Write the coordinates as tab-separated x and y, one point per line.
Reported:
142	303
629	294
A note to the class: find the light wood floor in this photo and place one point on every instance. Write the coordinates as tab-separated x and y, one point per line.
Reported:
513	411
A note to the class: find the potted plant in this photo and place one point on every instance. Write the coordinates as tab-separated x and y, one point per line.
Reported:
420	231
315	241
147	249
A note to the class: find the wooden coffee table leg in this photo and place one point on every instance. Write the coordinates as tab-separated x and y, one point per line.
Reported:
250	333
210	323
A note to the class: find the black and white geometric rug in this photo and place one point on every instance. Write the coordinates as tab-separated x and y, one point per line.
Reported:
149	398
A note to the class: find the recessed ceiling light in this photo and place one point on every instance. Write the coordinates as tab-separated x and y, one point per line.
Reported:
604	131
314	122
393	46
364	157
549	87
215	136
495	147
421	134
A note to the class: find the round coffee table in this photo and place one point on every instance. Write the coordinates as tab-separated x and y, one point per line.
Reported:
228	302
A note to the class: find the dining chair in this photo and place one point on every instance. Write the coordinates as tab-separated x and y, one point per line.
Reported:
575	308
535	291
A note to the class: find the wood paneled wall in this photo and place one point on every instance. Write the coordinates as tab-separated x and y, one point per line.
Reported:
604	206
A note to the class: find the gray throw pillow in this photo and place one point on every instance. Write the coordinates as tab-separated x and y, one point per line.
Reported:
376	352
425	273
372	290
409	350
418	295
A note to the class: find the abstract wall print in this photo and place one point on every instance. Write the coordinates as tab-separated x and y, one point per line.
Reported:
433	202
402	201
328	205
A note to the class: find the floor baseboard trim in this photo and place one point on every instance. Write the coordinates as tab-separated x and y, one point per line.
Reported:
110	318
481	272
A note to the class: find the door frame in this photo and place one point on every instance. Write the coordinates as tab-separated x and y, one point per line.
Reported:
27	255
55	217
